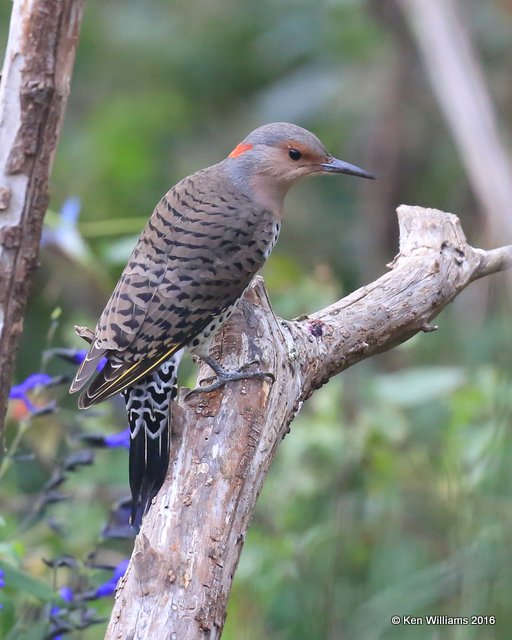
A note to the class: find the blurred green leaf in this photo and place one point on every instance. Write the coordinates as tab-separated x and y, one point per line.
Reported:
26	584
419	385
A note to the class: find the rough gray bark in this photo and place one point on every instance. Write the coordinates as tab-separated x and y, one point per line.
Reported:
178	582
34	88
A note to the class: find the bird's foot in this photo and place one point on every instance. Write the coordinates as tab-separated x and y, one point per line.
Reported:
223	375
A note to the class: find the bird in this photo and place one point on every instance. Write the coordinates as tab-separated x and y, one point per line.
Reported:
206	239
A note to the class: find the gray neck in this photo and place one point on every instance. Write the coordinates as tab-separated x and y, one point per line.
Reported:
261	188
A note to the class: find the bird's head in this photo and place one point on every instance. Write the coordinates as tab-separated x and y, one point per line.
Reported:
276	155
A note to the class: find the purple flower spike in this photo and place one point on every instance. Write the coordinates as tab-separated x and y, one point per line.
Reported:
65	233
66	593
20	391
114	440
120	439
108	588
120	570
70	210
34	380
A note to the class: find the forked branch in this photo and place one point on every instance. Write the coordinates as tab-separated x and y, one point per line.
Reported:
184	559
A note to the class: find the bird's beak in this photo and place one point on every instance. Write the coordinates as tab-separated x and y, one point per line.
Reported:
333	165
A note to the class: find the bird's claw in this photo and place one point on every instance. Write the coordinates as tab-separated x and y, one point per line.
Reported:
224	376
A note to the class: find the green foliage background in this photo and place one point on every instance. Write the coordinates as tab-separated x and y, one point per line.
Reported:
392	493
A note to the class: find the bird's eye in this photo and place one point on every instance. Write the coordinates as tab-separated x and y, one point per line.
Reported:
294	154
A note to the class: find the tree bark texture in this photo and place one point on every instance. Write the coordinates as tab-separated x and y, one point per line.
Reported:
34	89
184	559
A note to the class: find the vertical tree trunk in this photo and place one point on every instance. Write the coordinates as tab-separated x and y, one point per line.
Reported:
34	89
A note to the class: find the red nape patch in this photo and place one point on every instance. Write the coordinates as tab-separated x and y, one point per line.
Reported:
239	149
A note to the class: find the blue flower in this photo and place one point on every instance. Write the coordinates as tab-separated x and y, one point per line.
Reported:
64	232
70	210
108	588
2	583
21	391
66	593
119	439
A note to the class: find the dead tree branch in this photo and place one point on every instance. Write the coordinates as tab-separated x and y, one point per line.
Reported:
184	559
34	89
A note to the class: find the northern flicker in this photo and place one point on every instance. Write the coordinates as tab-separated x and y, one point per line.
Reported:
206	239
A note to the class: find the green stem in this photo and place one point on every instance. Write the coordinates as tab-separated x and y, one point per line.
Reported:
7	461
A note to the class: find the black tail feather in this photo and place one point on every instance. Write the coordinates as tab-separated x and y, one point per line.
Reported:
148	404
149	460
